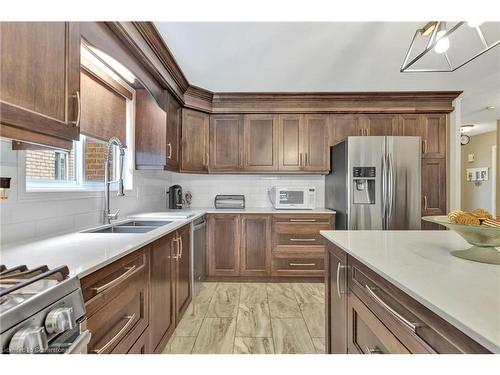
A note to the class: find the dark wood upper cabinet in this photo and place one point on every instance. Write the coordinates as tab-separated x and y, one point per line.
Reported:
261	142
174	114
343	126
255	245
226	143
150	132
315	143
431	128
223	244
195	141
40	80
162	321
435	136
379	124
290	134
183	284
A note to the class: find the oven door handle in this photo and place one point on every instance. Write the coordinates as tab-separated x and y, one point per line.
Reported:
79	346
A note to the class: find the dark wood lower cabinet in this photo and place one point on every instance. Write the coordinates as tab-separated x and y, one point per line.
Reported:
183	284
162	322
336	300
134	304
380	318
255	245
223	244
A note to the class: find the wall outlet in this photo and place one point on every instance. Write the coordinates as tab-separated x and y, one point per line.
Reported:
471	158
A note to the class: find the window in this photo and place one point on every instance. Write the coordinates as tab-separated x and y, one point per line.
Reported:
81	168
107	111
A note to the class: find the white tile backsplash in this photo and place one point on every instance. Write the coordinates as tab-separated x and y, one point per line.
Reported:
205	187
23	218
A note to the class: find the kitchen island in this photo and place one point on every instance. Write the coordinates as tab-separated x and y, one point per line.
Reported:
403	292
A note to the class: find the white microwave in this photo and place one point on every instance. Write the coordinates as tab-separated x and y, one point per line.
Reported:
293	198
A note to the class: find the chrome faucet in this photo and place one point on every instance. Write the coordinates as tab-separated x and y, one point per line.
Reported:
108	216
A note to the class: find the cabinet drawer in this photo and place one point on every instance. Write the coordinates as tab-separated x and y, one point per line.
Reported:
116	326
418	328
103	285
302	218
291	264
366	334
292	239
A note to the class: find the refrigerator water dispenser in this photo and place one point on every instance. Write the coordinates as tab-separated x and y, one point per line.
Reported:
363	186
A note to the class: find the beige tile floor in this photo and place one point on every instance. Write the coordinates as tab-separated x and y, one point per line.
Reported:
253	318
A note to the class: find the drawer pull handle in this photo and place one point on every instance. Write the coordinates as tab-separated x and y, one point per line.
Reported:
340	267
301	264
374	350
123	276
303	220
411	326
130	319
303	239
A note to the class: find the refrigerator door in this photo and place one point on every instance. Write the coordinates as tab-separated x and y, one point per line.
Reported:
403	156
364	182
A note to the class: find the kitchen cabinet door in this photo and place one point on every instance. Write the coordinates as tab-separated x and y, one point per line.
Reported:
315	143
195	141
290	135
173	132
150	132
336	306
183	280
435	136
433	188
255	245
40	80
343	126
162	321
379	124
226	143
223	250
261	143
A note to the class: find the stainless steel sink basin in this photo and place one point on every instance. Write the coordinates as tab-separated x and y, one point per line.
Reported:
132	226
144	223
122	229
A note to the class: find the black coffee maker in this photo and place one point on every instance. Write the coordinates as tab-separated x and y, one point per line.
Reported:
175	197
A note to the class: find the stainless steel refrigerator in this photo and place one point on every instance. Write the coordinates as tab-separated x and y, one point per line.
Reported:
374	183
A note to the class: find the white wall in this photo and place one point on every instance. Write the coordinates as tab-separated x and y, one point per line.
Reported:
23	217
205	187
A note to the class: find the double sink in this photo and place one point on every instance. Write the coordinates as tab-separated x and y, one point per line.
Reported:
132	226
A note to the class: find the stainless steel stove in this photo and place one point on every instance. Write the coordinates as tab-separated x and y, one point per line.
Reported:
41	311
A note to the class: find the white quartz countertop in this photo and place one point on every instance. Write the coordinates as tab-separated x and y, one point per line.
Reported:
464	293
85	253
247	210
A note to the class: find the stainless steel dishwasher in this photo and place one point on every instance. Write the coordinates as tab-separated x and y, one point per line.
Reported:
199	262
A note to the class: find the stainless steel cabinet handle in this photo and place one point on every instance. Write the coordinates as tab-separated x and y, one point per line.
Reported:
180	246
301	264
411	326
177	253
130	319
79	109
340	267
303	239
425	146
425	202
303	220
169	145
123	276
374	350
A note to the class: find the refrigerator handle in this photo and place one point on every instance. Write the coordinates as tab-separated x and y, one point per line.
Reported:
383	176
390	175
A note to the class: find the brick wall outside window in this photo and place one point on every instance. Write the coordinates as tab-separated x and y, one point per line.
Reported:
41	165
95	156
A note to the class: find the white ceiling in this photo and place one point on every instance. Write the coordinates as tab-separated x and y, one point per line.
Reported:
322	56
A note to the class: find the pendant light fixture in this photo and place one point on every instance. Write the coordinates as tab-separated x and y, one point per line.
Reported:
446	46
